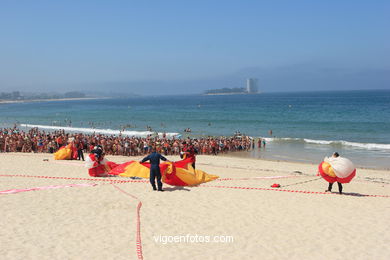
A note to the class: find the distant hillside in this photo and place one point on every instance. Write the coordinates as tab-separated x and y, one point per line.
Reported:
17	95
226	91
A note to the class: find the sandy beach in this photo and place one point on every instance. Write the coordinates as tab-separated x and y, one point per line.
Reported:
240	213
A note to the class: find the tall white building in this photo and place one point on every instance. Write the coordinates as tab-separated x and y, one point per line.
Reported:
251	86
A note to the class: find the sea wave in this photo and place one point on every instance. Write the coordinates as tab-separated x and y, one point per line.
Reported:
102	131
368	146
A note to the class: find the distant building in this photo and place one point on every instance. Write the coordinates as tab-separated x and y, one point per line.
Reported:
251	86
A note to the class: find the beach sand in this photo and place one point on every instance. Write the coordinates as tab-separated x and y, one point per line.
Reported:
100	222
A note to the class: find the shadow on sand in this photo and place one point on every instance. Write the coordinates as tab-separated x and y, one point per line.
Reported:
352	194
175	188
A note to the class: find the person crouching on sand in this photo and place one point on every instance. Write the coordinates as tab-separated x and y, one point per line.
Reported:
96	163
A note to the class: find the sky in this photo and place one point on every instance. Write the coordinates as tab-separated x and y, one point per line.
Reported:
167	47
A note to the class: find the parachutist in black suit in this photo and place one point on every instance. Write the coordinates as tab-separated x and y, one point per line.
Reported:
154	159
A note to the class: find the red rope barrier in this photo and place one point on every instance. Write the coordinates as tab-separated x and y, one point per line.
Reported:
12	191
296	191
257	178
71	178
138	236
145	181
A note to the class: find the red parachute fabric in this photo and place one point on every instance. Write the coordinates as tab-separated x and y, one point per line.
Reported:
120	168
74	152
331	179
99	167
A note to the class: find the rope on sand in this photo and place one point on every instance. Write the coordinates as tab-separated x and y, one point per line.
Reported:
138	236
257	178
145	181
294	191
71	178
302	182
12	191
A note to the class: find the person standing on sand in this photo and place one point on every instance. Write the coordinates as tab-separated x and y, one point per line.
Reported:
59	141
79	146
335	155
155	173
189	151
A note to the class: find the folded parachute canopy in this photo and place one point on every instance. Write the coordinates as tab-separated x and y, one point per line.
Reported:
98	167
178	173
67	152
338	169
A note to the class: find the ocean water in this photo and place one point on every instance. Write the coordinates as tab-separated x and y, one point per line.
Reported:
306	126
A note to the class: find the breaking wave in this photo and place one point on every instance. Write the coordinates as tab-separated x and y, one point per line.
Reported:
336	143
101	131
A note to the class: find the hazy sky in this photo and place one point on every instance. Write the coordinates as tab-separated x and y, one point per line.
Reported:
52	45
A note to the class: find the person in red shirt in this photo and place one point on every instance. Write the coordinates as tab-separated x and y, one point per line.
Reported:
189	151
59	141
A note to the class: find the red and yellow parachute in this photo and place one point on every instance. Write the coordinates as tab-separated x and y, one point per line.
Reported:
67	152
338	169
98	167
178	173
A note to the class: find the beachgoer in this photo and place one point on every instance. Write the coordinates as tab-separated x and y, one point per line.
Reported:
189	151
59	141
214	148
127	148
79	146
52	146
155	173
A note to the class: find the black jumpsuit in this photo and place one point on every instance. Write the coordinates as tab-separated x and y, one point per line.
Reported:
154	159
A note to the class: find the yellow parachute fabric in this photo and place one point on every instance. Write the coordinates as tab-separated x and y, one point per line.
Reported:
327	168
136	169
193	176
176	174
64	153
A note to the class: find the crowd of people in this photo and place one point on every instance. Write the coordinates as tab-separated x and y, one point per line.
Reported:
39	141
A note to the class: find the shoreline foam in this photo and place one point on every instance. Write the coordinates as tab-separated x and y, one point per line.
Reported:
100	131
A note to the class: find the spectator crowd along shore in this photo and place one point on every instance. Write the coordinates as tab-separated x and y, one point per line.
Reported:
37	141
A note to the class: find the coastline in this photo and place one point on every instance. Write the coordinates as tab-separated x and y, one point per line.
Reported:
50	100
243	206
225	94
